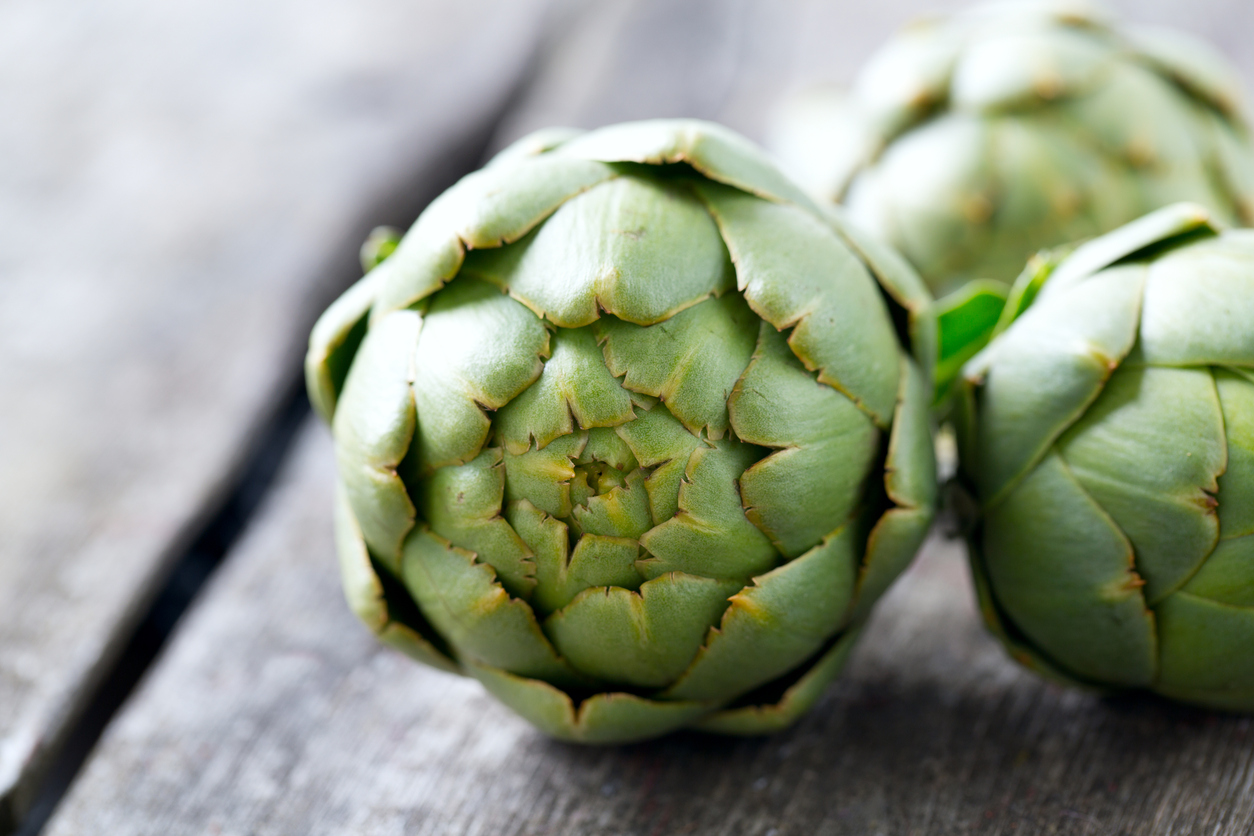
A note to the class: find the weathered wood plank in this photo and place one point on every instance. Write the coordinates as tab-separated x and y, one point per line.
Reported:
182	189
275	712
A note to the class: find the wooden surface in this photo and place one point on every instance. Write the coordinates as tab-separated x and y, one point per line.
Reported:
273	711
182	189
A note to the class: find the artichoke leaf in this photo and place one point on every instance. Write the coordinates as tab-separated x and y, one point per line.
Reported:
365	594
1064	575
537	142
606	718
1173	221
710	148
560	576
1018	68
1236	484
1225	577
665	253
893	542
1212	282
333	343
478	349
690	362
775	623
464	602
1192	64
622	512
462	504
796	272
799	697
659	442
543	476
645	638
494	206
1004	631
574	389
1041	375
374	425
900	282
710	535
1148	451
931	196
1206	648
824	445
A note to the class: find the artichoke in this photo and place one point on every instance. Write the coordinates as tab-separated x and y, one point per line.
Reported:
969	143
626	429
1107	436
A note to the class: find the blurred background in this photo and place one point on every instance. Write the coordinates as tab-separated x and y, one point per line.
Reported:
183	188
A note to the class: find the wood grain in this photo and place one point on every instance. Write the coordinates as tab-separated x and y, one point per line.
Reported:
183	187
274	712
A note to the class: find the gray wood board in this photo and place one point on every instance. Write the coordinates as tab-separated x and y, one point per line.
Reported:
275	712
182	189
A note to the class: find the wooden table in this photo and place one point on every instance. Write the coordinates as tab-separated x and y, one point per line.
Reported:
182	188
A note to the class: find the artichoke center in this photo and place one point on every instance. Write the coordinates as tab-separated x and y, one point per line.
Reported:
595	479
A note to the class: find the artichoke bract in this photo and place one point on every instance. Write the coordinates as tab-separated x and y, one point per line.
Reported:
1108	435
970	142
627	429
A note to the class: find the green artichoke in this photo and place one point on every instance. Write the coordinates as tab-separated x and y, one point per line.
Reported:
626	430
1108	438
969	143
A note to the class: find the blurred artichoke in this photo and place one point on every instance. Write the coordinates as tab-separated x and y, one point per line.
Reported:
626	430
1108	434
969	143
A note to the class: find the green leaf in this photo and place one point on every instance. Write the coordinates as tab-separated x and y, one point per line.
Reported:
799	698
691	361
1041	375
824	448
776	623
494	206
478	349
635	248
334	342
373	426
1236	485
645	638
462	504
1210	281
602	718
1206	649
718	153
462	599
966	320
796	272
1148	451
574	389
365	595
1227	576
1063	573
710	535
1127	242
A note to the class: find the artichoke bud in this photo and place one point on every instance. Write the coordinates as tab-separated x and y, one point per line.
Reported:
1107	435
972	141
629	430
